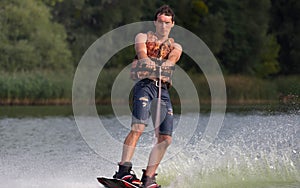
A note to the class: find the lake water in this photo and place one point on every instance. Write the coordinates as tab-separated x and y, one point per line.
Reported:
255	150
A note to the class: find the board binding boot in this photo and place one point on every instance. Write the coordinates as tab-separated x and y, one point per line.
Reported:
149	182
126	173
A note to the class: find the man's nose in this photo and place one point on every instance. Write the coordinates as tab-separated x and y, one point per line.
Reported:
164	24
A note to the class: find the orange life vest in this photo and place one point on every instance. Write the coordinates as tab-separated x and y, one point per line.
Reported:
157	52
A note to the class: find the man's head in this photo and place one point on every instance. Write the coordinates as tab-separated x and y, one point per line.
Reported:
164	20
166	10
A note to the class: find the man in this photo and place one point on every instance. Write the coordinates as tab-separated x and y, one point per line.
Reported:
154	51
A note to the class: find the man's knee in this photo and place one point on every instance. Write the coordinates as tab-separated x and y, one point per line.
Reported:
137	129
166	140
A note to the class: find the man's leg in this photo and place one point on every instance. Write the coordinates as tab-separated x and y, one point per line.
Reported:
125	165
131	142
163	141
140	116
157	154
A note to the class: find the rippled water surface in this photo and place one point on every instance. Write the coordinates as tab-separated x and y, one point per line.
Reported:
251	150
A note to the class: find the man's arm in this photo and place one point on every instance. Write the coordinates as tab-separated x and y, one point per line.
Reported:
140	45
174	55
141	50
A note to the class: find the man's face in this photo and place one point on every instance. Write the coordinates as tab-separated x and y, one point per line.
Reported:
163	24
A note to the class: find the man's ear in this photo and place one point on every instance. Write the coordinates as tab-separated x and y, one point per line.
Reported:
154	22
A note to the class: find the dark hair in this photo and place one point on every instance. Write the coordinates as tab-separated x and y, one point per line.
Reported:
166	10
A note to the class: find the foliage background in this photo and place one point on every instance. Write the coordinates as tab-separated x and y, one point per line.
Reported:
255	41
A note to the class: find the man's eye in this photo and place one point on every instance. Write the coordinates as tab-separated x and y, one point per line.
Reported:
167	23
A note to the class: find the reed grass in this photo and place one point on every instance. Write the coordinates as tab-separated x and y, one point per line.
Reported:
35	88
53	87
245	89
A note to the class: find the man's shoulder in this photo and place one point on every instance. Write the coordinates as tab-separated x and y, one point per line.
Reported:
141	34
177	46
141	37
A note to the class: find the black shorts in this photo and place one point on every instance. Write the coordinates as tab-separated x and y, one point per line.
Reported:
144	93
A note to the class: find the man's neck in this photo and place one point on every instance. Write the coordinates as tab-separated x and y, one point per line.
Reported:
160	37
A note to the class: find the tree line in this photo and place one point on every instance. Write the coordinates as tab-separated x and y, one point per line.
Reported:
250	37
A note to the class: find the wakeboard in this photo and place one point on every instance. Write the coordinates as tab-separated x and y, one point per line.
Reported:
115	183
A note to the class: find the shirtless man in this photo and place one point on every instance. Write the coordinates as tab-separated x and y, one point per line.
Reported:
153	49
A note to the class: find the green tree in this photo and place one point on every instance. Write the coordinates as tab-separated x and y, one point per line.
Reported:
247	36
235	31
285	24
204	20
87	20
29	40
269	64
51	2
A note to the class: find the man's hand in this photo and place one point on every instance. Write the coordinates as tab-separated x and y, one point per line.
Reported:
167	64
147	63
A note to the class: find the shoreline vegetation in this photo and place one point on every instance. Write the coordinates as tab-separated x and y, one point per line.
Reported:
43	41
49	88
51	36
